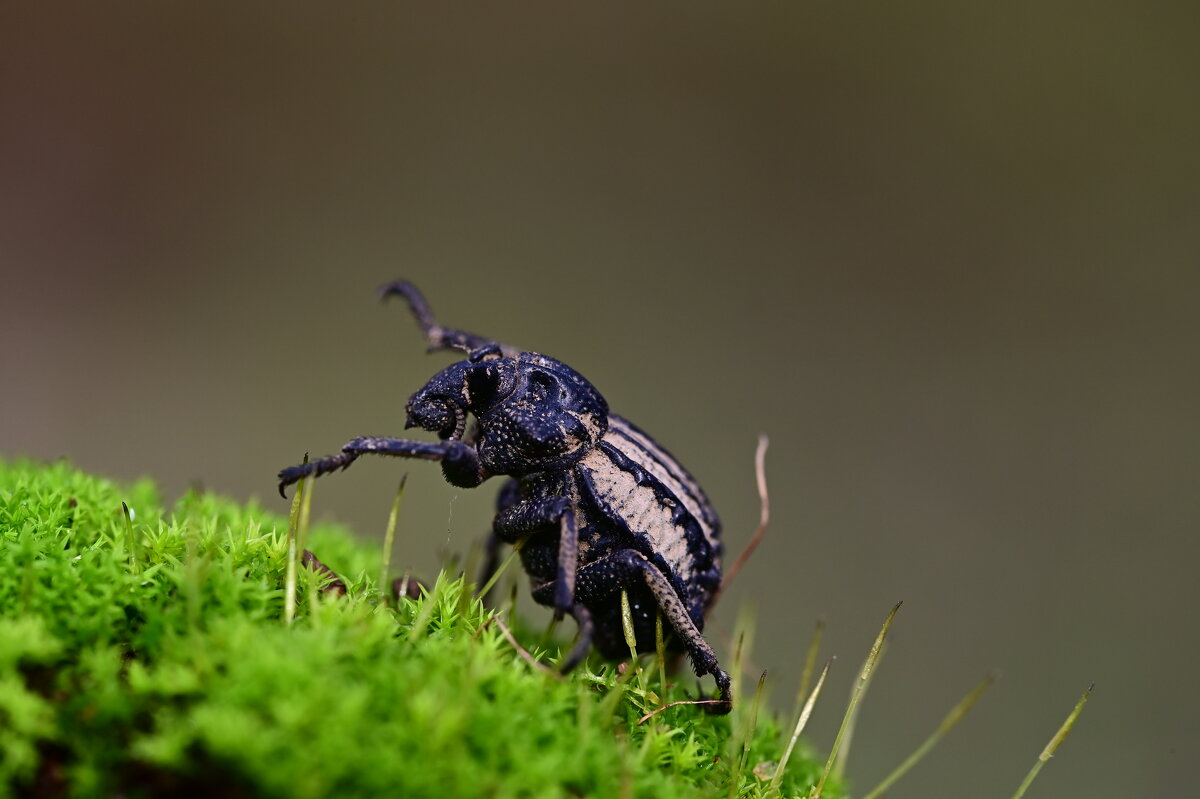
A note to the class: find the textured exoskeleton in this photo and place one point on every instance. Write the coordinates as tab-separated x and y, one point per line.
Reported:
600	506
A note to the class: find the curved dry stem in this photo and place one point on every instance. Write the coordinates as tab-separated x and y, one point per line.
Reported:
764	515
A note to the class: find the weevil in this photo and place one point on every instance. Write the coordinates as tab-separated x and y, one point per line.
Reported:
596	505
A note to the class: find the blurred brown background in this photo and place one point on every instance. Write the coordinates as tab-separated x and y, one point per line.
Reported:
945	257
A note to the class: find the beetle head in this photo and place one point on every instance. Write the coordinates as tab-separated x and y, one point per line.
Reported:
461	388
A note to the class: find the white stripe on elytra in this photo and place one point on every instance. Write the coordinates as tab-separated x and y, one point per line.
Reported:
640	509
664	468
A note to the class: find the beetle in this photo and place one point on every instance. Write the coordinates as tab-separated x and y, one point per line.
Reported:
599	506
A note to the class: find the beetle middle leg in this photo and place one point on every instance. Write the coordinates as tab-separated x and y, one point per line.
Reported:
530	515
583	645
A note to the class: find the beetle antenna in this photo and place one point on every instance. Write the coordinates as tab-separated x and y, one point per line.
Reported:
438	337
416	302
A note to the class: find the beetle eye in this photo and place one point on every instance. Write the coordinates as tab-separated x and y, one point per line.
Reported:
483	386
542	386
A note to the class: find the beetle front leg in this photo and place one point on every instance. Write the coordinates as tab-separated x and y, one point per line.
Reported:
460	462
531	515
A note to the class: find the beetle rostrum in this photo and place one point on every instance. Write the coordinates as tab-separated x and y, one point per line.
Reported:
600	505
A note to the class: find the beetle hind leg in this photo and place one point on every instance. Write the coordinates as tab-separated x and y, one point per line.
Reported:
597	582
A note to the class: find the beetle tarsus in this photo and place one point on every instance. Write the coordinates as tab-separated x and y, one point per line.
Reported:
583	644
725	703
294	474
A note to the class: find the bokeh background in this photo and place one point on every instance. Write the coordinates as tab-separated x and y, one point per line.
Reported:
944	254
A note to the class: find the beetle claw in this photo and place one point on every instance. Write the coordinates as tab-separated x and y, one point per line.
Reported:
725	703
291	475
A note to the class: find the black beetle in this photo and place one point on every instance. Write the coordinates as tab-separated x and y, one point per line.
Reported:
601	506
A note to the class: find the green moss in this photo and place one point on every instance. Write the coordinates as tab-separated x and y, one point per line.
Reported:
159	663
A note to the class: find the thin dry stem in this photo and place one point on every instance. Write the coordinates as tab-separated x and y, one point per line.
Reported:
656	711
530	659
764	515
491	620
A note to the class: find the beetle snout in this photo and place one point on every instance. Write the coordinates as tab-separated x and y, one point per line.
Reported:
437	414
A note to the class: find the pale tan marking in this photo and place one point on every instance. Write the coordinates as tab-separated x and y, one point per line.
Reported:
641	510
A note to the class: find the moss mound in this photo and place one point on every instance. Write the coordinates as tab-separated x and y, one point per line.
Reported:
151	658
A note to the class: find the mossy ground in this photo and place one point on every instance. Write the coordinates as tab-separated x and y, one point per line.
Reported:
154	659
